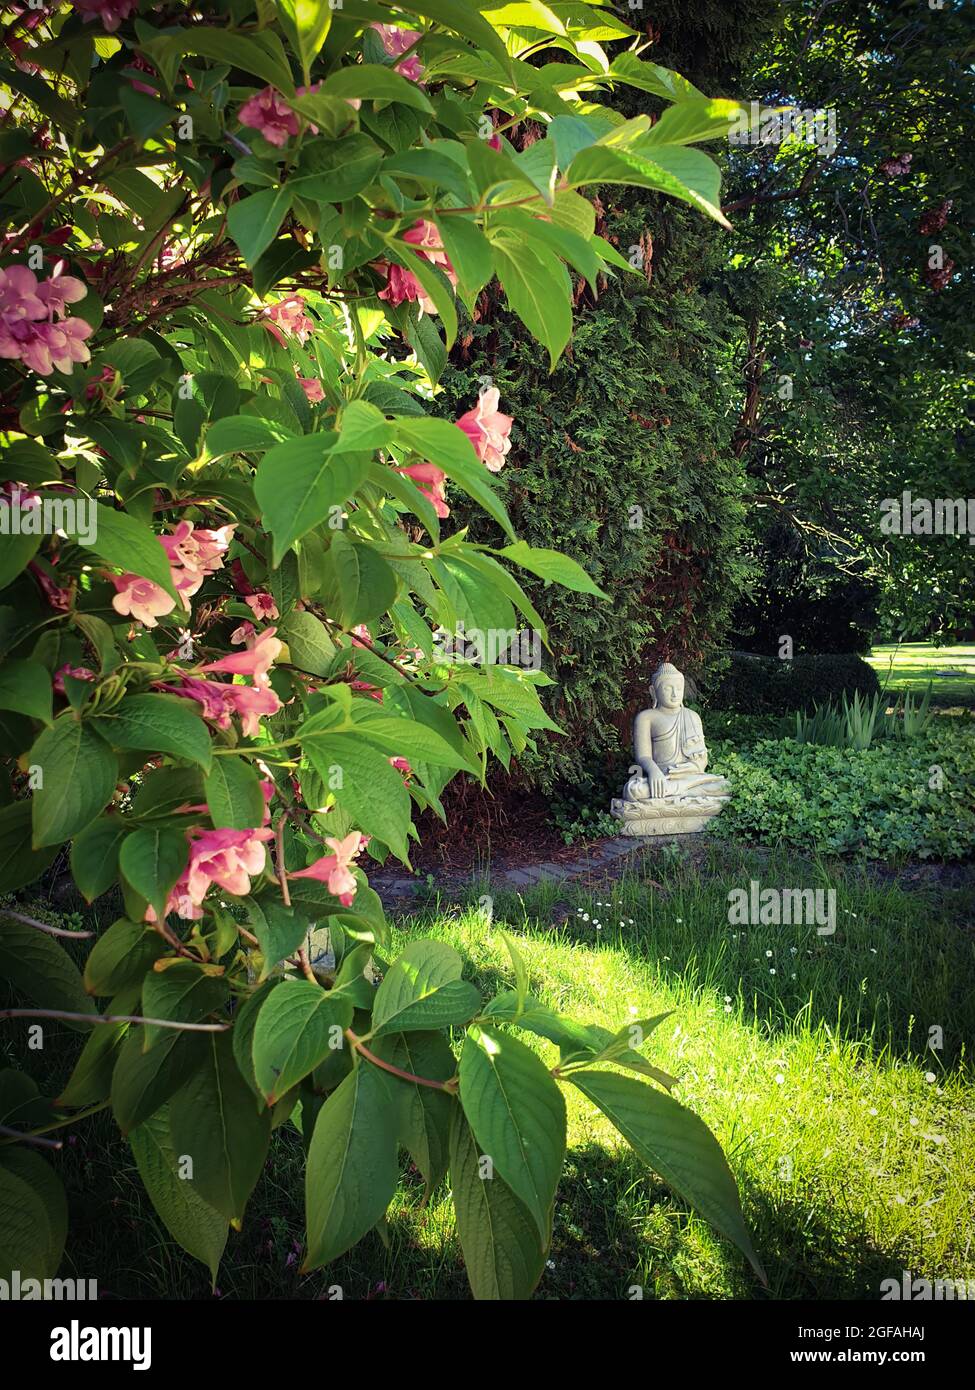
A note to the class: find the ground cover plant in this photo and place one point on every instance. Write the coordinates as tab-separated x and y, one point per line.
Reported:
240	237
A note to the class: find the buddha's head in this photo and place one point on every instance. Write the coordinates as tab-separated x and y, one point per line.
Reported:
668	687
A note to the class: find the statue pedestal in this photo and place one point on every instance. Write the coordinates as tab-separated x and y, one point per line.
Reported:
667	816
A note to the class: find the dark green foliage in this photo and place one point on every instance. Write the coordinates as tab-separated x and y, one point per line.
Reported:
765	685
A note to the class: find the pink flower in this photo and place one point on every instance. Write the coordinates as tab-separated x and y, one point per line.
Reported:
397	41
333	869
488	430
80	673
251	703
289	316
312	388
402	765
262	605
140	598
110	12
402	285
262	651
210	695
268	113
364	688
228	858
430	481
59	291
193	554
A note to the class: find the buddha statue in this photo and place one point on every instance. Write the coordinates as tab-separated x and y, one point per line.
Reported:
669	790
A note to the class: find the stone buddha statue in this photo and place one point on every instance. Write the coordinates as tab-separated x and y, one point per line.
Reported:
669	790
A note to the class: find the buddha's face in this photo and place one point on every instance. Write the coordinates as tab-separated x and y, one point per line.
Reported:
669	691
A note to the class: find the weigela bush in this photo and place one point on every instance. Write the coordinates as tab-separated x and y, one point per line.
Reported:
238	234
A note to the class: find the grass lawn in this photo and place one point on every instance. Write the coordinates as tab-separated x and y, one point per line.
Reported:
853	1144
911	665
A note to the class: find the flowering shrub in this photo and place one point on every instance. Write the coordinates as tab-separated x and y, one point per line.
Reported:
226	588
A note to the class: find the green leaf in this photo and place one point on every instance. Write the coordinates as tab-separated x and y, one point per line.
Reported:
446	446
675	1143
234	794
25	686
36	965
351	1173
26	1230
538	290
279	930
309	645
129	545
367	586
364	784
90	1081
20	863
297	1026
362	429
299	482
158	724
16	554
255	221
697	118
469	252
675	169
213	1121
376	82
183	992
77	773
502	1255
463	18
121	956
144	1081
241	434
333	171
649	77
152	861
396	735
46	1239
306	23
192	1222
517	1113
434	284
422	990
552	565
423	1112
265	60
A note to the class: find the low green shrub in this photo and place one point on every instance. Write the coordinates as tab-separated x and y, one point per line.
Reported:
896	799
765	685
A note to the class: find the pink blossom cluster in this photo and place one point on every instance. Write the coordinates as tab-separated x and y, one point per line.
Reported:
269	114
228	858
334	869
935	218
402	285
33	327
897	166
395	42
489	432
288	317
220	701
193	553
111	12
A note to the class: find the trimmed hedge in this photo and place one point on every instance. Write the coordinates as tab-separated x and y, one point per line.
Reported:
765	685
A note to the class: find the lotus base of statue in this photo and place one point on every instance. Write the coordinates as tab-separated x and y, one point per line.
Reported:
669	790
682	811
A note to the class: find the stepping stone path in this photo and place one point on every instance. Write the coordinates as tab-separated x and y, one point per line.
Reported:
604	859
